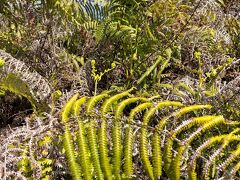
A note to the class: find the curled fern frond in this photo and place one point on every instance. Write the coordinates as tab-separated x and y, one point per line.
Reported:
104	159
93	101
93	151
160	105
191	108
192	164
66	110
77	106
180	113
126	102
212	158
184	126
167	150
116	134
82	142
156	145
129	139
191	122
108	103
67	139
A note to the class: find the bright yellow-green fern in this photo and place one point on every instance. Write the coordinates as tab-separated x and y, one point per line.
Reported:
156	144
129	138
116	134
102	132
84	153
67	139
133	131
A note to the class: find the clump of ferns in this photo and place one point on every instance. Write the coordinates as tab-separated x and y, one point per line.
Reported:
163	146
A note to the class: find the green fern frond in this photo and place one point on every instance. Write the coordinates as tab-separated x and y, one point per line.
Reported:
82	142
104	159
92	137
186	87
198	152
144	153
192	108
100	32
167	150
234	170
2	62
177	161
116	134
15	85
14	67
184	126
156	144
157	156
25	165
109	102
126	102
129	139
67	139
234	155
93	145
159	106
70	153
46	165
66	110
83	152
117	148
77	106
191	122
91	25
212	158
93	151
93	101
175	164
